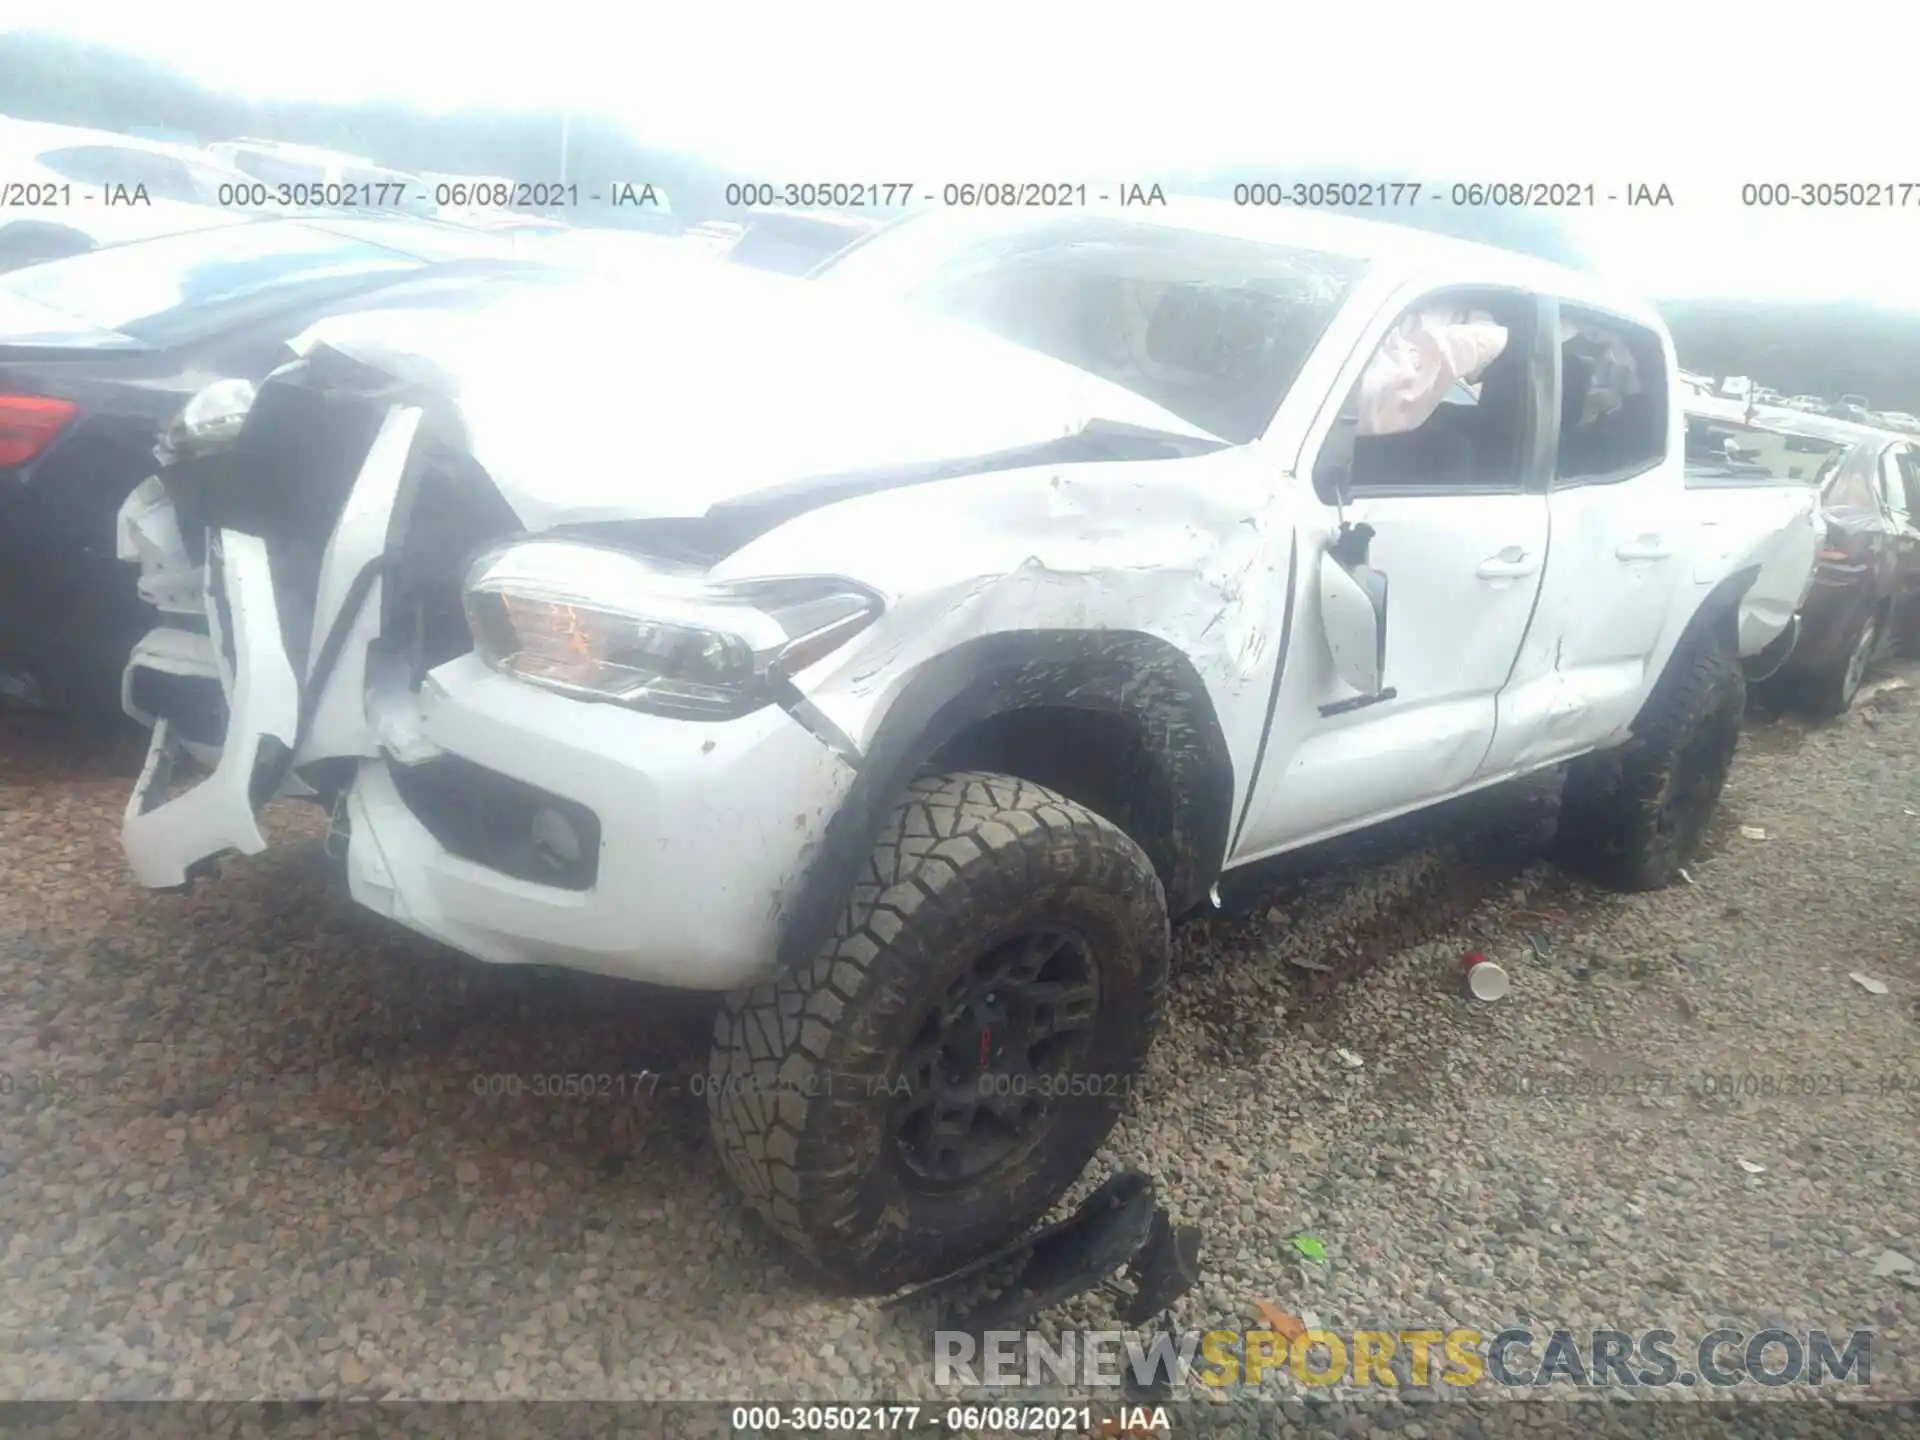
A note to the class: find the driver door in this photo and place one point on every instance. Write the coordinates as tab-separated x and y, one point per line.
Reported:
1458	508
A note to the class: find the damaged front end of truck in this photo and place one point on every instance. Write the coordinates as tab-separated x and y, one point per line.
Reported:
373	581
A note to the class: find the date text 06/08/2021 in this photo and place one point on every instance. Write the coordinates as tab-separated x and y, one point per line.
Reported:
644	1084
1066	193
954	194
1708	1084
1460	194
1659	1087
973	1419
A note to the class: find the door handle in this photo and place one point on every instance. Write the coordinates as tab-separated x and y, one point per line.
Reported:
1647	547
1512	563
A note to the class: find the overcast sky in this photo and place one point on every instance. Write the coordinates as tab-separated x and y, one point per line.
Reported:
1701	98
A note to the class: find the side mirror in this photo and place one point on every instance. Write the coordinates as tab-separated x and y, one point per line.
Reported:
1353	616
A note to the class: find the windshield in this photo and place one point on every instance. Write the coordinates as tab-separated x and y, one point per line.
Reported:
1210	327
144	289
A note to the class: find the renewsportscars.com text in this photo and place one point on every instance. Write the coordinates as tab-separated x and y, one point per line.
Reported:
1417	1358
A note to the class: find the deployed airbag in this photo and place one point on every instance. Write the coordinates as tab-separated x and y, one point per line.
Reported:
1421	359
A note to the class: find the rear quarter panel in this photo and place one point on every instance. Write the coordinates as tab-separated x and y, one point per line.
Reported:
1767	531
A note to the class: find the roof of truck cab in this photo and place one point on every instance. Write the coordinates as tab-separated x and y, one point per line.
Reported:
1402	247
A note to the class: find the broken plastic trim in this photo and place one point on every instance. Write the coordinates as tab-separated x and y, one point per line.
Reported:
1118	1225
272	768
815	720
1358	702
321	671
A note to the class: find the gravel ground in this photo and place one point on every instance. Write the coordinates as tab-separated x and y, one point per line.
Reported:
242	1154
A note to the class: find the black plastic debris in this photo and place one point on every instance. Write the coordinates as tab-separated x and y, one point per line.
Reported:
1118	1225
1167	1267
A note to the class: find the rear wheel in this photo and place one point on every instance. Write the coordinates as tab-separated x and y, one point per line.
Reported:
1832	691
928	1086
1633	816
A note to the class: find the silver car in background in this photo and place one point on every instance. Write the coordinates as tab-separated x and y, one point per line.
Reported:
72	189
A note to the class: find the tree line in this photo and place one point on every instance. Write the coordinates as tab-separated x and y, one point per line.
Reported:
68	81
1796	347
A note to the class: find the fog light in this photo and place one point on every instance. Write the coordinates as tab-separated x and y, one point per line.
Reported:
557	839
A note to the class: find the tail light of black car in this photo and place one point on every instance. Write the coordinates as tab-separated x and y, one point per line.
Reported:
29	424
1842	546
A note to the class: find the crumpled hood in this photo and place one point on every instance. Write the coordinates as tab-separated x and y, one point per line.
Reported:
663	393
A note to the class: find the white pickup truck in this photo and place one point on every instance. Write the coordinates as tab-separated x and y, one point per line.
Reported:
897	651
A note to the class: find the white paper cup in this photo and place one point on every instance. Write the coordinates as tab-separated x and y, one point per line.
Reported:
1487	981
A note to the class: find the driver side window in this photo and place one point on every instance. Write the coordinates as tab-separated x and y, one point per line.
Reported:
1446	402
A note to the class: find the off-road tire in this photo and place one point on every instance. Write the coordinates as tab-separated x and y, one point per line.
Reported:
1631	817
1832	691
803	1065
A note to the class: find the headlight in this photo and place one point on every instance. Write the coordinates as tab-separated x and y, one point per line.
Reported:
605	625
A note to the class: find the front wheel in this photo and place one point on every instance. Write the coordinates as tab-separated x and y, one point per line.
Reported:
1632	817
927	1087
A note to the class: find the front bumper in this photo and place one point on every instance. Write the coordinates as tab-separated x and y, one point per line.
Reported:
704	830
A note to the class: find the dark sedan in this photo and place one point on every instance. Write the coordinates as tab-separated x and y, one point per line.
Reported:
98	351
1865	598
794	242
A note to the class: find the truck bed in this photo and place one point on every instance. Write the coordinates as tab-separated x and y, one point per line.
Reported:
1724	475
1748	517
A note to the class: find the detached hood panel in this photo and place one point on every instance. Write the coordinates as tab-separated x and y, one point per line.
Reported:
665	394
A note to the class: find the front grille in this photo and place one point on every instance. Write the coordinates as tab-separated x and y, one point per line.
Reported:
294	462
448	511
504	824
286	479
288	475
193	704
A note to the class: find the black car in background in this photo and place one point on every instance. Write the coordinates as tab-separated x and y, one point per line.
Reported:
1864	598
794	242
99	350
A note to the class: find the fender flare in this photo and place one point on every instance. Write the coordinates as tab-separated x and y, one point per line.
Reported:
1188	771
1719	604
